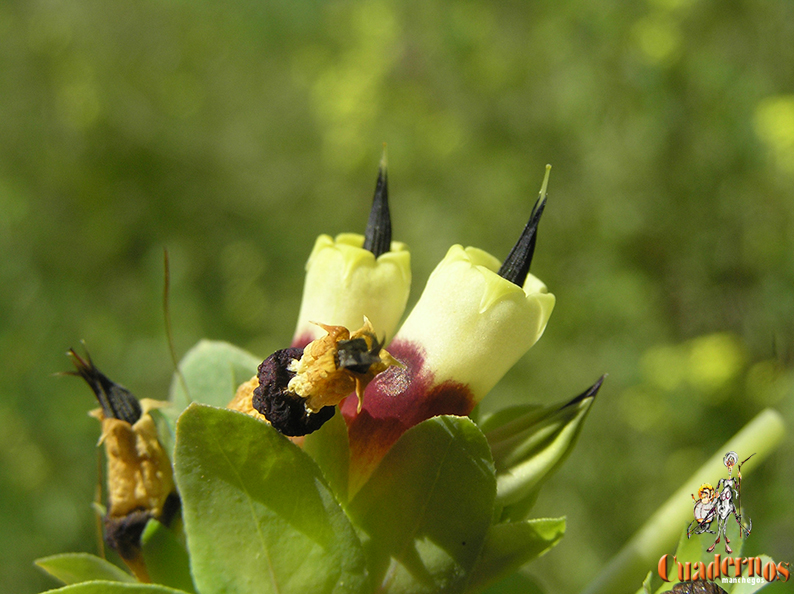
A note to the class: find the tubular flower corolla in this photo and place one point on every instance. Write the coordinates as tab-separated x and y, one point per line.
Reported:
467	330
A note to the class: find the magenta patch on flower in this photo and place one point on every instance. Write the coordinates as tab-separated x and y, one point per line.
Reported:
300	341
395	401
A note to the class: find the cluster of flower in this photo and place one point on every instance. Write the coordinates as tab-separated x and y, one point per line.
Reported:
403	434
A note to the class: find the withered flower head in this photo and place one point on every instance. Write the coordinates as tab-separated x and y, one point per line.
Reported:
299	388
139	476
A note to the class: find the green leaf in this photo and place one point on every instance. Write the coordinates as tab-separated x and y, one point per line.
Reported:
258	514
520	510
652	583
646	584
166	557
212	371
424	513
510	420
106	587
330	448
516	583
73	568
538	446
510	545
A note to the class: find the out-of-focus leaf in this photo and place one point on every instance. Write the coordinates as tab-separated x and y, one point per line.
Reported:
695	549
105	587
509	545
212	371
517	583
330	448
424	513
258	514
73	568
166	558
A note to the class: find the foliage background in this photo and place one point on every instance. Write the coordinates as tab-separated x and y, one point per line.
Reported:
235	132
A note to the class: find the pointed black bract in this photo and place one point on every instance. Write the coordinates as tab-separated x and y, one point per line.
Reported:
116	401
588	393
377	238
516	266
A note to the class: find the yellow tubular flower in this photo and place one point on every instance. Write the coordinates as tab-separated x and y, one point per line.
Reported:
472	324
344	282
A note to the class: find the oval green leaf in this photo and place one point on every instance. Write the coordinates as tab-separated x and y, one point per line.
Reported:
424	513
258	514
166	557
510	545
212	371
73	568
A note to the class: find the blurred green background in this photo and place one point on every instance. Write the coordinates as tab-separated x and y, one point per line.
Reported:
233	133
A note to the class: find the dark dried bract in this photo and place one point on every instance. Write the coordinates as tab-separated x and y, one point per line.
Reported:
516	266
123	534
116	401
377	237
285	410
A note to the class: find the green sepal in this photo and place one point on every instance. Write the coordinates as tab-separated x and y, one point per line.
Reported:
510	545
520	510
510	420
73	568
425	511
529	448
258	514
166	558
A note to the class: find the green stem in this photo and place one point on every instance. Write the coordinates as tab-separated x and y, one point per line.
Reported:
625	571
